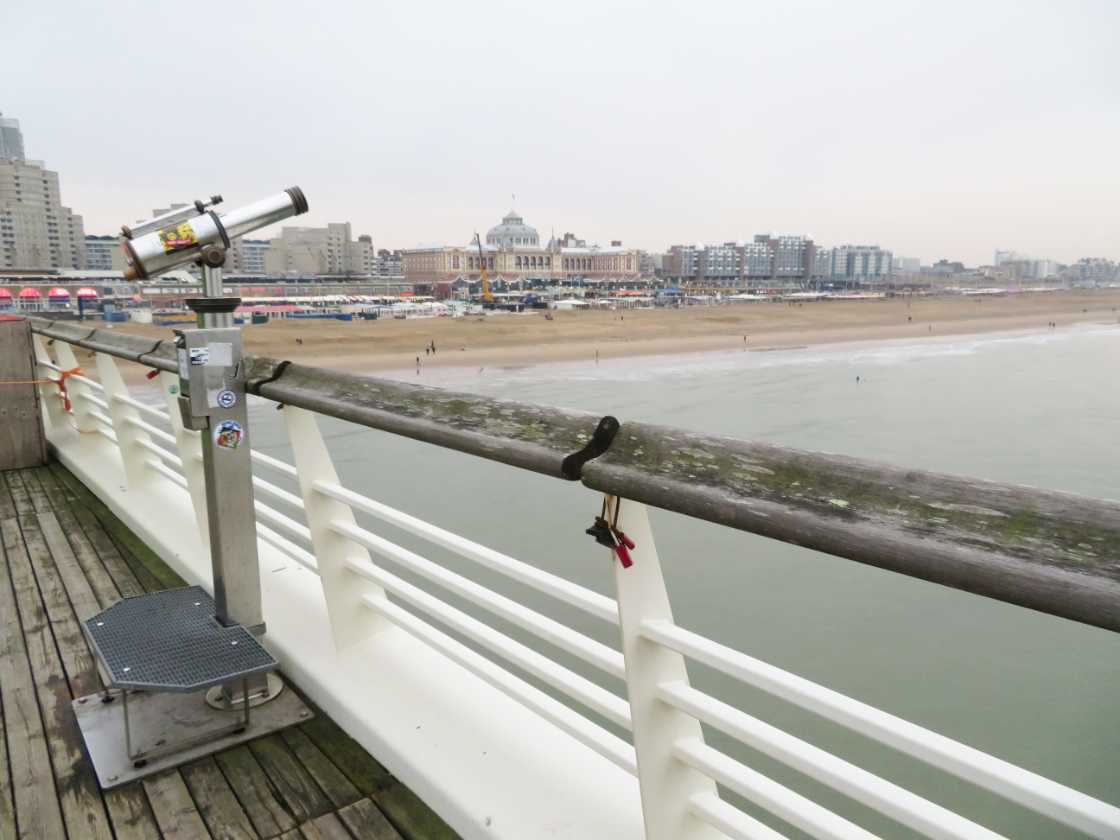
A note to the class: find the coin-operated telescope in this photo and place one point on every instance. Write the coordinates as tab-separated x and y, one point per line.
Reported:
198	233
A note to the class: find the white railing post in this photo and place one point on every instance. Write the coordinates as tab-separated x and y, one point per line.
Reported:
79	407
344	591
48	392
667	785
189	444
134	458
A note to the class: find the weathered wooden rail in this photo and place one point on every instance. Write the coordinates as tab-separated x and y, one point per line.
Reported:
1054	552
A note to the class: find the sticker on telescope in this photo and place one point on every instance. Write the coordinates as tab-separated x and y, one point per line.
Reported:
177	238
200	355
228	434
226	398
184	368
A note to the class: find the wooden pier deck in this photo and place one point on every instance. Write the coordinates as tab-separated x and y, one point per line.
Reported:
65	557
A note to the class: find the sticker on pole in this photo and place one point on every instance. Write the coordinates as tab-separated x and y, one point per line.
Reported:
228	434
200	355
226	398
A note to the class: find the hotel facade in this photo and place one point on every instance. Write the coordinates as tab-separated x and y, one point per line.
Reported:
512	252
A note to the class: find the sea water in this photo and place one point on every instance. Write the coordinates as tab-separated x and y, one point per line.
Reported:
1037	409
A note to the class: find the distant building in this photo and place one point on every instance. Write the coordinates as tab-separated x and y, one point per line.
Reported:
791	256
1095	271
11	139
1019	266
320	251
651	265
945	268
766	260
512	253
160	211
36	230
513	233
247	256
104	253
388	264
860	263
681	263
721	264
906	265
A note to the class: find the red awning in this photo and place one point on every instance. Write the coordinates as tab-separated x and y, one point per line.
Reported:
29	293
4	293
58	291
86	292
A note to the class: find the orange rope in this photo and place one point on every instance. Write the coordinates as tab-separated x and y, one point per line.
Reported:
63	375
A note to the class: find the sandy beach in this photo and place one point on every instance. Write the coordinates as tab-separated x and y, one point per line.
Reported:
530	338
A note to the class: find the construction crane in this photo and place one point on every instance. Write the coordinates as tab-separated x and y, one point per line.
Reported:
486	296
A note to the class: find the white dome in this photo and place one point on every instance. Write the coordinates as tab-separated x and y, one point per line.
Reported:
513	233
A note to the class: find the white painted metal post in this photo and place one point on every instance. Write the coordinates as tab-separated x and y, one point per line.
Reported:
667	784
48	392
189	444
79	406
344	591
134	458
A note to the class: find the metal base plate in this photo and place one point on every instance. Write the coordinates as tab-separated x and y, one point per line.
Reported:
156	717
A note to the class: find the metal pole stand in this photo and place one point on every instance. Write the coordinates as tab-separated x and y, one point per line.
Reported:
212	401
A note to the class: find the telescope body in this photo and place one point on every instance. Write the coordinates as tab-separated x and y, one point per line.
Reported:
181	240
177	215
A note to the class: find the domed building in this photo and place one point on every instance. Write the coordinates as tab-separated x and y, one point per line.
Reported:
512	233
513	254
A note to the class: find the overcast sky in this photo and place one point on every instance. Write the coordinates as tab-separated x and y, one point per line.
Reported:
936	129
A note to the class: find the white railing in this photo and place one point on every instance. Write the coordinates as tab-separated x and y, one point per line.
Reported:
650	726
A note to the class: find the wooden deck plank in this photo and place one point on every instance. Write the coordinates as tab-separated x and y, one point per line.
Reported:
7	506
130	813
35	494
129	810
256	792
326	827
409	815
7	807
365	820
35	801
131	547
82	505
304	798
51	572
362	769
39	802
20	497
73	557
68	511
60	660
175	811
216	802
87	556
130	580
339	789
